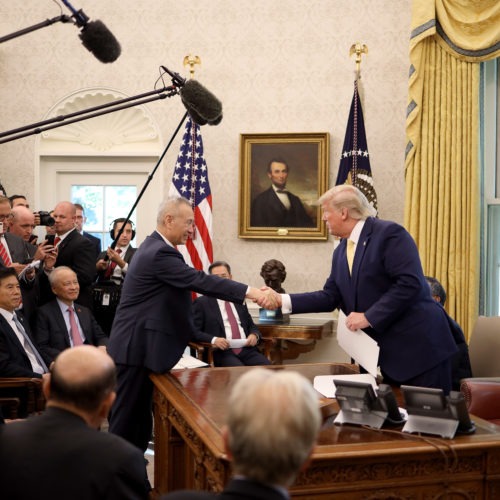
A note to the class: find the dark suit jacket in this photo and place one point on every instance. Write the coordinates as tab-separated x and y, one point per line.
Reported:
89	464
268	211
127	258
96	242
388	285
52	334
236	489
154	323
22	252
76	252
209	323
13	359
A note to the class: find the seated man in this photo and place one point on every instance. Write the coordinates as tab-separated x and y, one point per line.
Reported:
62	323
19	354
461	367
272	424
218	322
89	464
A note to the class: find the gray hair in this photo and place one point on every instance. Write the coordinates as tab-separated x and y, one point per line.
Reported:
271	444
350	197
170	206
54	275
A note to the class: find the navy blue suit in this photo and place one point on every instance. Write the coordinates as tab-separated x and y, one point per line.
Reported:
389	287
209	324
152	327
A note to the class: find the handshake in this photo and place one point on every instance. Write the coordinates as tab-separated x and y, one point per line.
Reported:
266	297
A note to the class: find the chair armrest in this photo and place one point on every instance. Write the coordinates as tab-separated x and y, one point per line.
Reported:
202	348
29	389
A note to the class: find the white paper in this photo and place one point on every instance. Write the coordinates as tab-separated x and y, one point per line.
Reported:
35	264
325	384
188	361
360	346
237	343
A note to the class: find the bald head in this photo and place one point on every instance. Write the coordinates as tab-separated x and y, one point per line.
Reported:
23	222
65	217
82	377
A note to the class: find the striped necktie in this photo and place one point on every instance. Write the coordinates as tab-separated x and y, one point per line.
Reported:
29	346
5	255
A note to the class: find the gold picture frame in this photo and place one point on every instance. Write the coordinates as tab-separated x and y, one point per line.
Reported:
304	158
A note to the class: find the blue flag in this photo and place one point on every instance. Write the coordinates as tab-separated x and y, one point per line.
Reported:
354	165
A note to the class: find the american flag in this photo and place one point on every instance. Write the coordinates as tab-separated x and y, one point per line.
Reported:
354	165
190	180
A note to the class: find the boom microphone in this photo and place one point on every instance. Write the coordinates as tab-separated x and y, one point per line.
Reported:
201	104
95	37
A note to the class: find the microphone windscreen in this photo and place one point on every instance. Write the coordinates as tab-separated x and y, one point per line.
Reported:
201	104
100	41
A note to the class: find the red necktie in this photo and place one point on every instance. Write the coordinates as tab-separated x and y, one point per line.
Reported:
111	267
5	255
56	240
235	331
75	333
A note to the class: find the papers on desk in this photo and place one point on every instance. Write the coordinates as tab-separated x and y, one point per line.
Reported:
325	384
188	361
360	346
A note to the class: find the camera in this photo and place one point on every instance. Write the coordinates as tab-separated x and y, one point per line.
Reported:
45	218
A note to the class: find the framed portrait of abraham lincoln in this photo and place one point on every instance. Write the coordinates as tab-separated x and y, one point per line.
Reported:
281	178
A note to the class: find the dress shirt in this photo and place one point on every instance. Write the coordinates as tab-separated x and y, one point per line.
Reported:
65	313
225	320
286	303
283	197
119	272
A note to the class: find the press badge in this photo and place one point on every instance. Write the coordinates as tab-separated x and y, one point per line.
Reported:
105	299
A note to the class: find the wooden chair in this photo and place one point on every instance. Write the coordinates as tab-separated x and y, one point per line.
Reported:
26	391
205	350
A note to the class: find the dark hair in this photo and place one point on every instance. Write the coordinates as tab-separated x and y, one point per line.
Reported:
15	197
218	263
5	272
79	207
277	160
436	289
86	395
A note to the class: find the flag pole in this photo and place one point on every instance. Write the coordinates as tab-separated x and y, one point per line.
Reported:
191	61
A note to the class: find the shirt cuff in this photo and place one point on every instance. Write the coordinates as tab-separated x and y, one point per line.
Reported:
286	303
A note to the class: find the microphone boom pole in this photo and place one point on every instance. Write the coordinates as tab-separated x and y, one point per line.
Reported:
84	114
29	29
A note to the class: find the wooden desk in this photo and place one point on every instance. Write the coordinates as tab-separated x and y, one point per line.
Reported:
348	463
298	329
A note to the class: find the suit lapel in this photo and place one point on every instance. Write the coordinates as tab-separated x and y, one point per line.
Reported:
58	315
12	336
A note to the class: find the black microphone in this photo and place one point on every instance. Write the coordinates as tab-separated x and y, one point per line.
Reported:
95	37
201	104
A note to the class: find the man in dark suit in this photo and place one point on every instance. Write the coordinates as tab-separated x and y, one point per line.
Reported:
214	324
111	272
74	251
277	207
80	220
65	438
19	353
54	327
272	425
385	294
153	322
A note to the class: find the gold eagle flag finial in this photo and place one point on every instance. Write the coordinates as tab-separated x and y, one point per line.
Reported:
191	61
358	49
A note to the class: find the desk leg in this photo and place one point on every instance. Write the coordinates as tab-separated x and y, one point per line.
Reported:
170	450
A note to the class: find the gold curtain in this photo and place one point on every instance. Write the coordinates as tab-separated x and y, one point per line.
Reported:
449	38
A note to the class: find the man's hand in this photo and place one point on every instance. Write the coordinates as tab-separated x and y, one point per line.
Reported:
115	257
270	299
221	343
252	340
356	321
50	258
42	250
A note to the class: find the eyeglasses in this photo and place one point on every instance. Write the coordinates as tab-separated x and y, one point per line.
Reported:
6	217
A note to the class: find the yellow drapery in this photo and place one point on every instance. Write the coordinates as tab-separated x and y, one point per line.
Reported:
449	38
